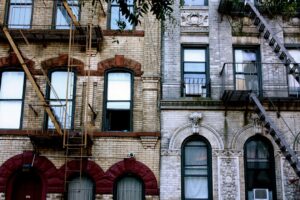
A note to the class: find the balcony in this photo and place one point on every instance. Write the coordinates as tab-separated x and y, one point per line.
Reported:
267	80
196	87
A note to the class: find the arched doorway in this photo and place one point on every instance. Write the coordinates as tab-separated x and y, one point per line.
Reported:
26	185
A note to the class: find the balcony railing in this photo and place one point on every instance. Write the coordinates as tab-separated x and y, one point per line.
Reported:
198	87
269	80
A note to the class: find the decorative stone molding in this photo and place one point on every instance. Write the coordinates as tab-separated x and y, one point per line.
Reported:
195	120
228	171
227	153
169	152
194	18
149	142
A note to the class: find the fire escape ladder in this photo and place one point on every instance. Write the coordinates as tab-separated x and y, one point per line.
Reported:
32	80
276	134
273	41
73	17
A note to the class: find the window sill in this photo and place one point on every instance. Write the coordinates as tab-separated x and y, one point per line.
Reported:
132	33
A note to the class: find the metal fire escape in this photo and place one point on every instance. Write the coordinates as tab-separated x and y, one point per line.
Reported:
292	68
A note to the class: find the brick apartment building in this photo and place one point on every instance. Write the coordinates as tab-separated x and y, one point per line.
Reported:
213	143
79	115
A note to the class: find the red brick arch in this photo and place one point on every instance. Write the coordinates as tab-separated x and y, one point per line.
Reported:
62	62
119	61
88	167
12	61
129	165
53	183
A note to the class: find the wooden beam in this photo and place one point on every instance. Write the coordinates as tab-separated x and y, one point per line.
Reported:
32	81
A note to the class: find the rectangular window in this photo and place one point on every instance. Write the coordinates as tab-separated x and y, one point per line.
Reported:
195	81
11	99
60	102
62	19
20	14
294	85
117	20
246	69
195	2
118	101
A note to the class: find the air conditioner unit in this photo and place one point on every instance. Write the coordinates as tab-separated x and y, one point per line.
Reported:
260	194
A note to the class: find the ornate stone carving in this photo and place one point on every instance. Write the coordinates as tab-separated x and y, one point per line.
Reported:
229	187
168	152
195	120
227	153
290	180
149	141
194	18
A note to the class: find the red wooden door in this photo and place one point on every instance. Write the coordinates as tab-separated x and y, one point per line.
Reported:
27	186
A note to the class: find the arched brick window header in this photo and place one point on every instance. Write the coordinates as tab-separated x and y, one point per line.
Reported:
53	183
89	168
62	62
129	166
12	61
119	61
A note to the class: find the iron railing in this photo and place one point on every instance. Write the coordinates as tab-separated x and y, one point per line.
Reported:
266	79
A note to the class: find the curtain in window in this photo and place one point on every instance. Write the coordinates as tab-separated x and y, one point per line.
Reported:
196	187
129	188
20	12
81	189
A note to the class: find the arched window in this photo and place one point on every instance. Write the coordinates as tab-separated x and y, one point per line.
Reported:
19	14
62	82
12	84
81	188
129	187
118	102
259	169
196	169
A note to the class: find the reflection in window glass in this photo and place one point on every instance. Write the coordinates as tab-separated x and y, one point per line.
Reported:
63	20
58	96
129	188
20	13
11	99
116	17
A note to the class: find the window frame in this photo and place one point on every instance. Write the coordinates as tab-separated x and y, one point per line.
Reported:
7	13
48	92
104	119
209	165
258	65
207	71
54	17
109	18
23	96
115	186
271	162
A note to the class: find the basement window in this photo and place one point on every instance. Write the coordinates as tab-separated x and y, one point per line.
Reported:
11	99
62	18
62	82
117	20
20	14
118	104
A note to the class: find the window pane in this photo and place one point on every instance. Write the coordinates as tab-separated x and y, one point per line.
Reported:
194	55
80	189
245	55
59	110
195	170
118	105
114	18
119	86
195	156
63	20
246	68
20	16
12	85
295	53
194	67
10	114
59	85
21	1
196	187
129	188
194	2
118	120
246	82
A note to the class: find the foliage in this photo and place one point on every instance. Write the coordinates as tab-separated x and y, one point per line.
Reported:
161	9
286	8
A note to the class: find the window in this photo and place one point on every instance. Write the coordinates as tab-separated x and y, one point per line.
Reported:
20	14
129	187
62	19
118	104
81	188
259	167
195	2
195	81
196	165
246	69
294	85
117	20
11	99
61	103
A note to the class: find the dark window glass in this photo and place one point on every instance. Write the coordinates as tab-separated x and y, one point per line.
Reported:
129	188
117	20
62	19
20	13
11	99
118	101
81	188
